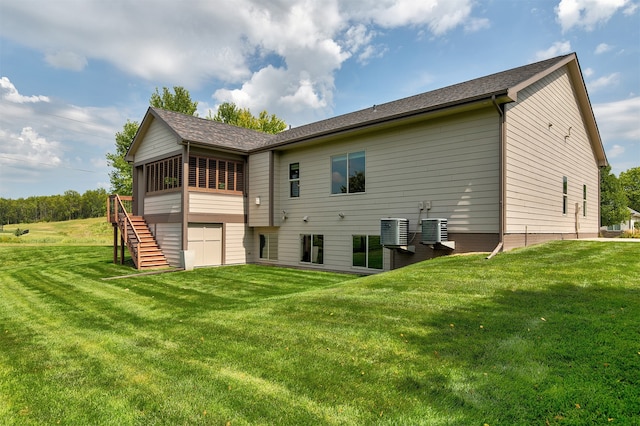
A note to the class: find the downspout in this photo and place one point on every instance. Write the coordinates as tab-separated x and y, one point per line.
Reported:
501	177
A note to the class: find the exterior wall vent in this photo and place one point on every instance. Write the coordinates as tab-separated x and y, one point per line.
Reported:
394	232
434	231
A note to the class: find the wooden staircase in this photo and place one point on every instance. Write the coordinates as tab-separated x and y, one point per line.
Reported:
147	254
135	235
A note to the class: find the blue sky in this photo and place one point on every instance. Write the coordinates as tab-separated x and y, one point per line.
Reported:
73	71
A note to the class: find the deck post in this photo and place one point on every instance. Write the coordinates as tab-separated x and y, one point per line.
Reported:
115	243
122	244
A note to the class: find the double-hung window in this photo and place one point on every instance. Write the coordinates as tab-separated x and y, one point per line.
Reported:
348	173
294	180
565	199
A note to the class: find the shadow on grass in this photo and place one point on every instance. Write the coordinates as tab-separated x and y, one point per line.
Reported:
567	355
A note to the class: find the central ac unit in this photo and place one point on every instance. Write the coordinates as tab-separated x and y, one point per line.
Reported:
434	231
394	232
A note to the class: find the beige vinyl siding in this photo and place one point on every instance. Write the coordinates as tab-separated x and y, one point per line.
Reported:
538	156
211	203
169	238
158	141
259	187
237	244
163	203
451	162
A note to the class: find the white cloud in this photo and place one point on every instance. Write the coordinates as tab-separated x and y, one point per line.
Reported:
201	41
602	48
29	149
615	151
604	82
438	16
41	138
618	121
558	48
587	14
66	60
9	93
475	25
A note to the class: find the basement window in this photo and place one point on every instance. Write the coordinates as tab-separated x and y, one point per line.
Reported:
269	246
367	251
312	248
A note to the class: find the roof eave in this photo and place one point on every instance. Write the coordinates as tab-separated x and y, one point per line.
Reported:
450	107
217	147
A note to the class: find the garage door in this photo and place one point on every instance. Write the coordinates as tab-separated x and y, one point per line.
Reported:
206	242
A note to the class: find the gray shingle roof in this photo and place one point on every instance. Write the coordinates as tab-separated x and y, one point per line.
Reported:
215	134
210	132
468	91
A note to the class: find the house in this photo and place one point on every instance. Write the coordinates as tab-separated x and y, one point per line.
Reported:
498	162
626	226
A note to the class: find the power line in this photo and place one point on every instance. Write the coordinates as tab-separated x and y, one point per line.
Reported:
45	164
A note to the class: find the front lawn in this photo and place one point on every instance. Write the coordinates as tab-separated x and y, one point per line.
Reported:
544	335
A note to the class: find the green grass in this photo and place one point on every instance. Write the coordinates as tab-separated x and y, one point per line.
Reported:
544	335
94	231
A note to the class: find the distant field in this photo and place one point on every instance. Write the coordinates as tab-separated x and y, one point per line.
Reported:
95	231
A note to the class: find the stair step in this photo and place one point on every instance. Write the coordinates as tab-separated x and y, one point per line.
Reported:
151	255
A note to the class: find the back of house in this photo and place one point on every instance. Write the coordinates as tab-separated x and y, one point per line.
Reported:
501	161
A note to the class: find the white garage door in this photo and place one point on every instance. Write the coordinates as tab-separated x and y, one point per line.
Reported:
206	242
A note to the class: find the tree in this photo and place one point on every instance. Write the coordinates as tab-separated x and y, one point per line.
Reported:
229	113
178	101
613	201
121	176
630	181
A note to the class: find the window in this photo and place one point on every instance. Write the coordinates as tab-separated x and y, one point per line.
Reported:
165	174
269	246
312	248
216	175
584	200
564	195
348	173
294	180
367	251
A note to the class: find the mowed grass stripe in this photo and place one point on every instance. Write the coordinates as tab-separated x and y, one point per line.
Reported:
547	334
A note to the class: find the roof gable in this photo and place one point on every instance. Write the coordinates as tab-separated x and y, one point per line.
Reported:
200	131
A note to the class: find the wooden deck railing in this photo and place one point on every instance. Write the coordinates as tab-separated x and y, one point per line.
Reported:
117	212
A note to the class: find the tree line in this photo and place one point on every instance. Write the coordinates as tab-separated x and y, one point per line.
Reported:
54	208
618	194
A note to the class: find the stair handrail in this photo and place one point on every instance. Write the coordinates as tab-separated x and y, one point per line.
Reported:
122	214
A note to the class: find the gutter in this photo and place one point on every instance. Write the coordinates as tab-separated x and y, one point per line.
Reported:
371	123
